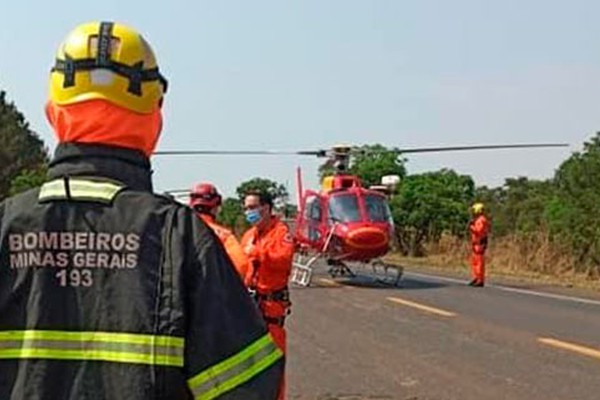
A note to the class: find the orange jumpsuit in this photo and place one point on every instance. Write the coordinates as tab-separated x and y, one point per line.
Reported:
271	254
230	243
479	235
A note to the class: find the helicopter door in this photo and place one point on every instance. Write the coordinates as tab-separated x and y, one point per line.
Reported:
311	219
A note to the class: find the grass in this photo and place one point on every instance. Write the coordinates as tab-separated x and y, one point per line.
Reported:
529	260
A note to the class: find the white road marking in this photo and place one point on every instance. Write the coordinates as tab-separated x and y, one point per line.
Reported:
512	289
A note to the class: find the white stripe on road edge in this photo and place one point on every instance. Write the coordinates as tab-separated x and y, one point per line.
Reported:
514	290
548	295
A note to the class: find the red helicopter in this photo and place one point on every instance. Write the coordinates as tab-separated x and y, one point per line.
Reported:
344	221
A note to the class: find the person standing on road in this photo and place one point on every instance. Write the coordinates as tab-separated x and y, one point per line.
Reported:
479	228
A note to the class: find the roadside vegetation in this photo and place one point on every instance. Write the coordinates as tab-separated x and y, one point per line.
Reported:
544	228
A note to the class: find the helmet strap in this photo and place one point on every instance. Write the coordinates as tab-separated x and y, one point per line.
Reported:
136	74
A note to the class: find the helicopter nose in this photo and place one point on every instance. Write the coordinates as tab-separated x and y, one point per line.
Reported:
367	238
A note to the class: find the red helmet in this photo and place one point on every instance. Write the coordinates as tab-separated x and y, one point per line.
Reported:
205	195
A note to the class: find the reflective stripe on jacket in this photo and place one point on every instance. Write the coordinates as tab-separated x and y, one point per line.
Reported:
108	291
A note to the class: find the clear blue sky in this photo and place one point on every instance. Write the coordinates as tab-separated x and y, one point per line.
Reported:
308	74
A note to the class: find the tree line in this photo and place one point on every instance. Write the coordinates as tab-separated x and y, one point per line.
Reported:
23	157
562	212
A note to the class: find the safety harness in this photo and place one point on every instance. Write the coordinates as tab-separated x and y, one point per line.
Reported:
481	246
281	295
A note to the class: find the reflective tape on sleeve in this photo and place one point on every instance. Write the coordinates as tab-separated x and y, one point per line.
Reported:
235	370
94	346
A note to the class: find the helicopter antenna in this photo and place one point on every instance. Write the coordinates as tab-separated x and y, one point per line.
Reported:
299	188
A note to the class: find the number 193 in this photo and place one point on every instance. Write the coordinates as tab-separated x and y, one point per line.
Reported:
75	278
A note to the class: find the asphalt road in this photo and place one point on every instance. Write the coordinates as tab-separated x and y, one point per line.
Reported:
435	338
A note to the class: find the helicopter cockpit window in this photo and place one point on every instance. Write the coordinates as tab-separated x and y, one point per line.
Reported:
307	206
377	208
344	208
315	212
312	209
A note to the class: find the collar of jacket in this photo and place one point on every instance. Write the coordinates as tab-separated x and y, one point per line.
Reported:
267	228
208	218
130	167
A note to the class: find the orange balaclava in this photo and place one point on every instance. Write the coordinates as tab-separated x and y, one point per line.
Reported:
101	122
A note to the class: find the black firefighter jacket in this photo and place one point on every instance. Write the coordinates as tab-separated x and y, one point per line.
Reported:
108	291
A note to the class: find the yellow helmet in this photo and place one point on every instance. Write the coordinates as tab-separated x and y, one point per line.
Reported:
108	61
477	208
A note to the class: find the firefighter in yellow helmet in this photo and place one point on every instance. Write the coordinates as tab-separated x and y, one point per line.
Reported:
108	291
479	228
106	88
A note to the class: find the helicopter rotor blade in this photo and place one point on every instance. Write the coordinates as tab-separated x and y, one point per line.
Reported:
478	147
317	153
179	191
325	153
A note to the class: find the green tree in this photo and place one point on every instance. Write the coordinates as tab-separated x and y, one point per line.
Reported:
566	207
519	206
574	212
326	169
20	148
27	179
231	214
372	162
430	204
290	211
525	204
262	185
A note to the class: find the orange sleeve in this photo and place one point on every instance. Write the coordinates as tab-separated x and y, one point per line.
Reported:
237	255
251	252
278	252
249	248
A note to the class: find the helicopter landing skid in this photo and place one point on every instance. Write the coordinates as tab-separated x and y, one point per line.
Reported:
385	273
339	268
302	269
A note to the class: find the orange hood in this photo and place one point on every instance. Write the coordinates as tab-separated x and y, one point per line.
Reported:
101	122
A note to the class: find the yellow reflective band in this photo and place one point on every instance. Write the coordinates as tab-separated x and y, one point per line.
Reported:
133	338
100	346
79	189
92	355
235	370
242	377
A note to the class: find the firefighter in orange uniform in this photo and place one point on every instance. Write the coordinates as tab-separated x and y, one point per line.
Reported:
270	248
479	228
206	200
